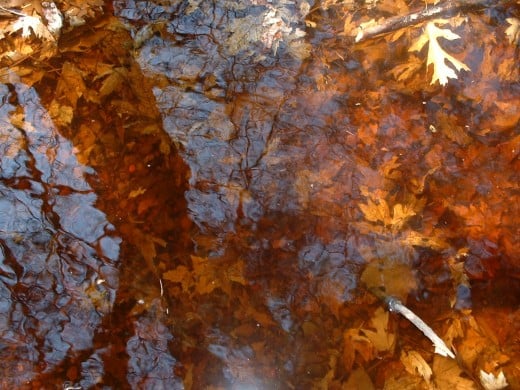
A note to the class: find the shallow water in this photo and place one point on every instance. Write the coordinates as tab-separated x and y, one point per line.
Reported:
213	217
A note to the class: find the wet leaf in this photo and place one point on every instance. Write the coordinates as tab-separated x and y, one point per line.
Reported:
493	382
29	25
415	364
355	343
396	279
377	211
359	379
513	31
436	54
448	375
382	339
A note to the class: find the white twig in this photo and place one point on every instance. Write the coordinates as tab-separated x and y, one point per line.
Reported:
440	347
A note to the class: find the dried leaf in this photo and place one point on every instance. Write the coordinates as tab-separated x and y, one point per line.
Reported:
436	55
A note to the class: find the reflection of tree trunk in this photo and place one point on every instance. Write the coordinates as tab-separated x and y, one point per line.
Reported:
442	10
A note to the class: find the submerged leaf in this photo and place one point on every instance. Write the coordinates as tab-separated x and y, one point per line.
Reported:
381	338
436	55
513	31
415	364
492	382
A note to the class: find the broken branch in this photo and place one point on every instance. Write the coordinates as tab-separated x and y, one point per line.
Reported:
398	22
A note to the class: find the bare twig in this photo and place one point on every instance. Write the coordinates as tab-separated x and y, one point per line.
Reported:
440	347
397	22
396	306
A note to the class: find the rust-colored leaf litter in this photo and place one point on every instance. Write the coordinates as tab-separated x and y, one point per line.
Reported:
231	195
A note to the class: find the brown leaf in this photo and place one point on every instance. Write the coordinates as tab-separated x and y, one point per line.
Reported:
415	364
381	338
448	375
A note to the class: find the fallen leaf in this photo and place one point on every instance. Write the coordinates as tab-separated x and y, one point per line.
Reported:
398	280
415	364
513	31
359	379
492	382
447	375
381	338
31	24
436	55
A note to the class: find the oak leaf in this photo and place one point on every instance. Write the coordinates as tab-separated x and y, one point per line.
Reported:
513	31
436	54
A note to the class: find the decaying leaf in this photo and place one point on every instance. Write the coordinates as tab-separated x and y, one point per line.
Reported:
396	279
436	54
206	276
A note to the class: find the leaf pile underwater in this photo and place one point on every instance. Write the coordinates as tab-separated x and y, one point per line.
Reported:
203	195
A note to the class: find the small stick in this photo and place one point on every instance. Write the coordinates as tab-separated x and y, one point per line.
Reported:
397	22
441	348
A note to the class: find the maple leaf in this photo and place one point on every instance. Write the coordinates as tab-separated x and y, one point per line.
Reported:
381	338
207	276
376	212
436	55
414	363
448	375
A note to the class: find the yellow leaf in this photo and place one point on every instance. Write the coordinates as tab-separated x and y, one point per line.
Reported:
513	31
359	379
413	238
136	193
492	382
181	274
448	375
401	214
436	55
381	338
376	212
415	364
